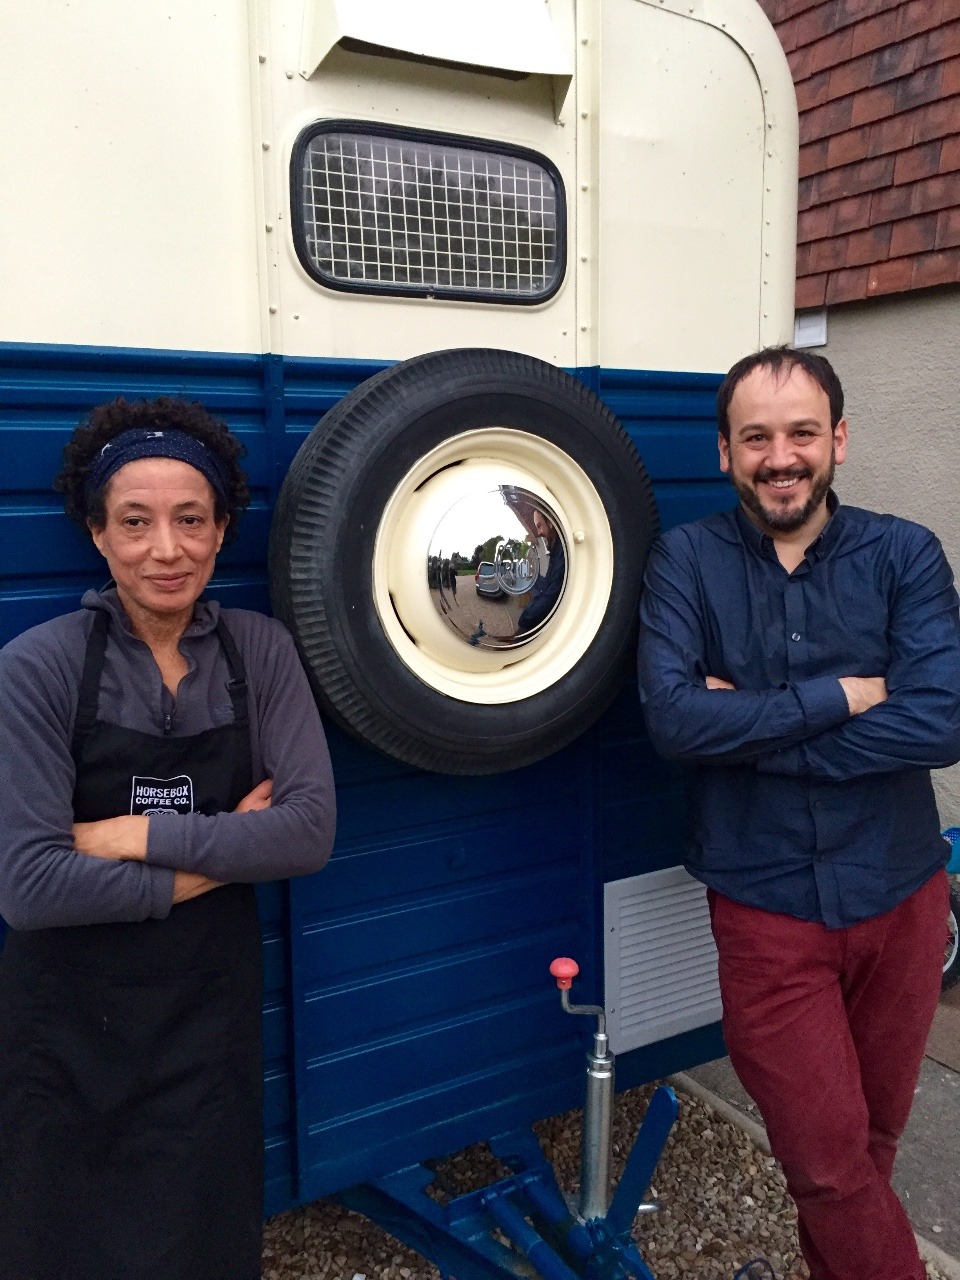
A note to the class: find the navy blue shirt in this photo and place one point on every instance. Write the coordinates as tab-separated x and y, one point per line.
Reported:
797	806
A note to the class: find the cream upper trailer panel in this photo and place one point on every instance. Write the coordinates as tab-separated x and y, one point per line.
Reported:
675	141
150	198
695	216
127	210
436	76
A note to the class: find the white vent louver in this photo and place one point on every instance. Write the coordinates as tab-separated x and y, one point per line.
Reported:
660	961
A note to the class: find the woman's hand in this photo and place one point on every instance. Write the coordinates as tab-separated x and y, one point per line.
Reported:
119	840
122	839
258	798
190	884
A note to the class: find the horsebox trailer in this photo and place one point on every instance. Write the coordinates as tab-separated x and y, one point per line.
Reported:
463	276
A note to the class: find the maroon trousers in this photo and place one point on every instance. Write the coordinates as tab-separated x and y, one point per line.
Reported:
826	1030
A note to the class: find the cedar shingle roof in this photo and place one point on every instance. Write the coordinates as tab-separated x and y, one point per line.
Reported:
878	88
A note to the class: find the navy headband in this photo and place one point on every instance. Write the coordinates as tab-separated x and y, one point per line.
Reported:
139	442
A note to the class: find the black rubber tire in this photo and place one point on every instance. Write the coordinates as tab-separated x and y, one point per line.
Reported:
325	526
951	958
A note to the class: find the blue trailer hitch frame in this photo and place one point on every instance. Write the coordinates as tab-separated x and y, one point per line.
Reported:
522	1225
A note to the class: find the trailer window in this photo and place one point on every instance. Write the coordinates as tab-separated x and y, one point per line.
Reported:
395	211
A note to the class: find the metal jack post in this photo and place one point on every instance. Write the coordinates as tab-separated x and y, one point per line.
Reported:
523	1225
598	1105
609	1228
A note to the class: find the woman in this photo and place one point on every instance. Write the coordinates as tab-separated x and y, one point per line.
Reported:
157	756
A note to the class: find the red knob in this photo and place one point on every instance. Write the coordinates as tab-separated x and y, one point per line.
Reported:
564	970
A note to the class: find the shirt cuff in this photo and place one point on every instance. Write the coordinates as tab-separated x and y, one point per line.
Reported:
824	703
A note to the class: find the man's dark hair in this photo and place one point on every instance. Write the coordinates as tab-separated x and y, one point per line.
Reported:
776	358
166	413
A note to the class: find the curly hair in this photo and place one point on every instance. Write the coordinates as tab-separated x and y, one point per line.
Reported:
166	413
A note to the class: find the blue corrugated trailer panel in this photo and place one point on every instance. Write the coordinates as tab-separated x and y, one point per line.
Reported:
407	1007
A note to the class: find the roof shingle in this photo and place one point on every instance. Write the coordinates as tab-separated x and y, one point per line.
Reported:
878	88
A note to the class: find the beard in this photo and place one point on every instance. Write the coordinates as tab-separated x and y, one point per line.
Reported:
787	521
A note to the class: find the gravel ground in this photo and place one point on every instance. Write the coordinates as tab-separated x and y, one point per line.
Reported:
723	1201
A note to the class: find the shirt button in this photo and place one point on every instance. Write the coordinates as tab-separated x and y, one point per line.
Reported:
795	636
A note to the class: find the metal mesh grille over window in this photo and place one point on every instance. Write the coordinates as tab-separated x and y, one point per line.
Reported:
425	217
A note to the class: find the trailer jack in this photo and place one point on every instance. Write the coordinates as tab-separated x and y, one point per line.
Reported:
522	1225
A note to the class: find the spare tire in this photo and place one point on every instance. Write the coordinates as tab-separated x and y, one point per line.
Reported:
463	656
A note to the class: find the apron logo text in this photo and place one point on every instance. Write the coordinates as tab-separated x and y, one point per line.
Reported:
155	796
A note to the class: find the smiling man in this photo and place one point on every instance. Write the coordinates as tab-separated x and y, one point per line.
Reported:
803	659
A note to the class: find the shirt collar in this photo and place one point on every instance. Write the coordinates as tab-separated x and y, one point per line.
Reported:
821	546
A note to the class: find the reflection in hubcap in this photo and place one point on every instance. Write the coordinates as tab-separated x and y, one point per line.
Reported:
447	627
496	567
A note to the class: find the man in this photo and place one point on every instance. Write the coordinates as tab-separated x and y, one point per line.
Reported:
804	659
547	588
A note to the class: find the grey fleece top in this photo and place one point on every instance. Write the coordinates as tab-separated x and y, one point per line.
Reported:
44	882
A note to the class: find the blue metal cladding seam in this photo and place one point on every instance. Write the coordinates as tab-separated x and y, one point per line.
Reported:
407	1010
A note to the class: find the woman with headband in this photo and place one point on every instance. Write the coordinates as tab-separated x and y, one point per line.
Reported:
158	755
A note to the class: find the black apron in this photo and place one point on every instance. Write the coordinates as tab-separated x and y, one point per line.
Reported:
131	1144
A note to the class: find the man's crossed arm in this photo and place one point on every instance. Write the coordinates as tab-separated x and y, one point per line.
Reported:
832	727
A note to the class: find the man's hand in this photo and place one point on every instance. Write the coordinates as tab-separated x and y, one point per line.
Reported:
714	682
259	798
190	884
863	692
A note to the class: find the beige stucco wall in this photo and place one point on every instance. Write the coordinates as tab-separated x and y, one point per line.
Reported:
899	361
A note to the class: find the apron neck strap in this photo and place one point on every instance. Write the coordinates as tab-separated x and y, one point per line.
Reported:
237	685
90	680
